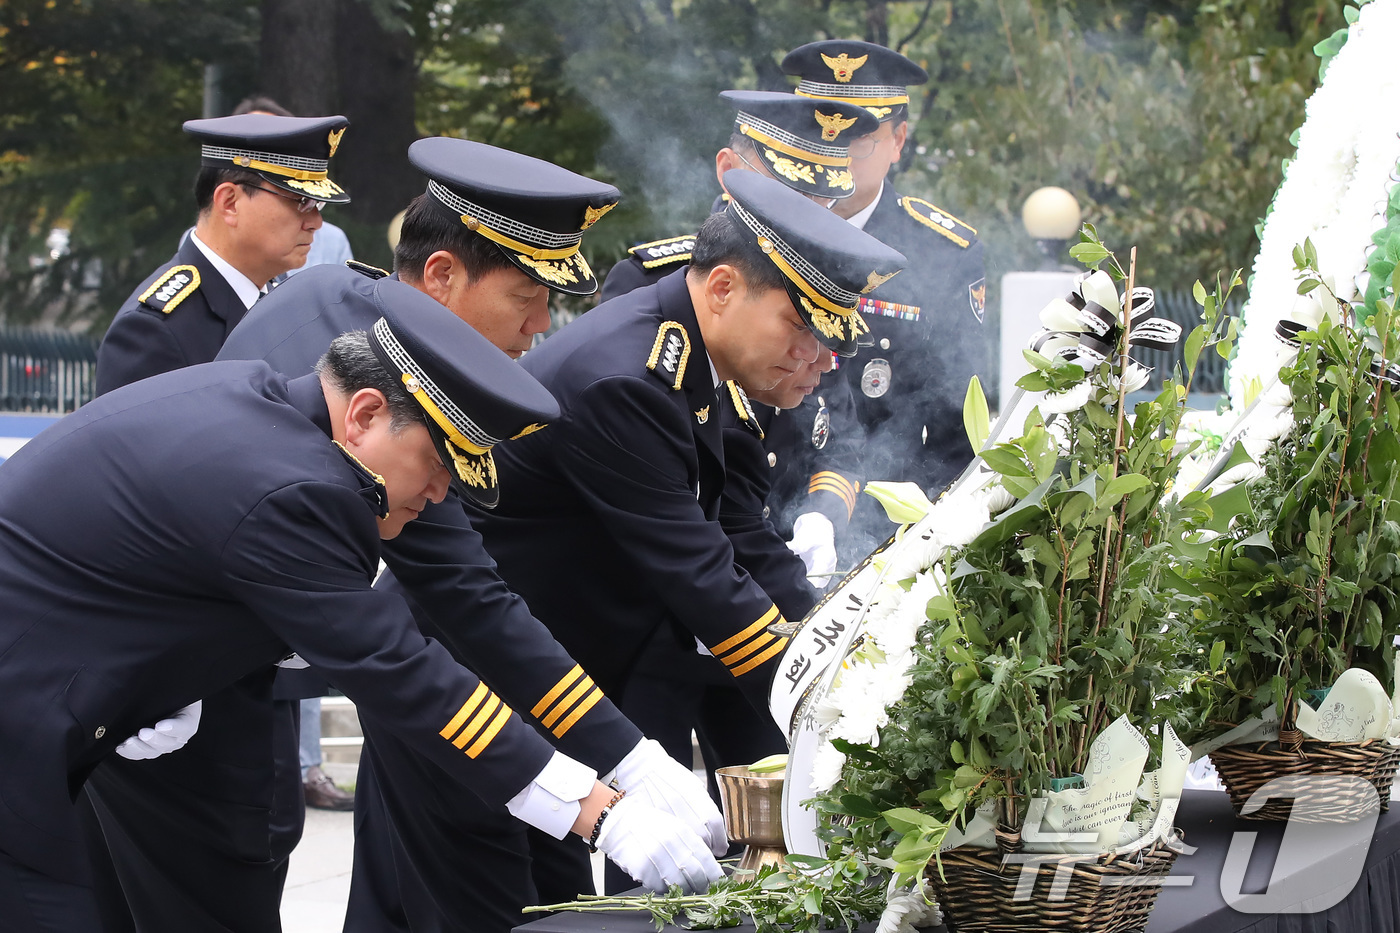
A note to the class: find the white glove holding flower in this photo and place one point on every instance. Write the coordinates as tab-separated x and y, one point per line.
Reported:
814	540
164	737
656	848
649	774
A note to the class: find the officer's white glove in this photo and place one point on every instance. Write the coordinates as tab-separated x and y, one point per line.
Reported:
656	848
648	773
814	540
164	737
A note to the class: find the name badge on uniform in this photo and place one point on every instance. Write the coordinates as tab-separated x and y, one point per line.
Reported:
875	378
821	425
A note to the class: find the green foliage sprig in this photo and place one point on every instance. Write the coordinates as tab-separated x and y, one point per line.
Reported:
1304	584
775	900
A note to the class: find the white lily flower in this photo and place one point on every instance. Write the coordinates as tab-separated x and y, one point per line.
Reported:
905	503
1072	399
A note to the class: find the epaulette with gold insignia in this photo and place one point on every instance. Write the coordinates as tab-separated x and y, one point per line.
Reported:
743	408
166	292
669	354
671	251
935	218
373	491
365	268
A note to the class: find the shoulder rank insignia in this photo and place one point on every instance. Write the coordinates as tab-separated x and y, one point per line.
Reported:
669	354
744	408
670	251
166	292
936	218
365	268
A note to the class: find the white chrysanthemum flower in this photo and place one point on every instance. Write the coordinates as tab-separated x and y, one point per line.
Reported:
999	499
907	909
826	767
1334	191
1072	399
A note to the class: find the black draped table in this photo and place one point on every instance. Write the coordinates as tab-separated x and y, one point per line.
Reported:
1326	879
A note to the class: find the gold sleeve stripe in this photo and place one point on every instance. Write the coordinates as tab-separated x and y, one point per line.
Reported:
473	701
496	725
758	659
830	477
747	633
556	690
478	721
588	703
563	705
750	646
844	493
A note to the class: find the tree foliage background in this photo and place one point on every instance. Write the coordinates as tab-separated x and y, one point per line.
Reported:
1169	120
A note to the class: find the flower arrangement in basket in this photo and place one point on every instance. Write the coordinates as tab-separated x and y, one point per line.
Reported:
1045	652
1299	632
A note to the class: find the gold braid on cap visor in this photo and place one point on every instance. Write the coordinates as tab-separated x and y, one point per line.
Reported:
862	95
460	429
775	137
529	241
822	292
274	162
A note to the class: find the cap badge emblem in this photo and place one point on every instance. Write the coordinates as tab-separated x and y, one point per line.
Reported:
591	215
703	414
843	66
334	139
832	124
875	280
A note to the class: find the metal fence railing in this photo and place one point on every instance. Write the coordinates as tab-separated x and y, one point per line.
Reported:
46	370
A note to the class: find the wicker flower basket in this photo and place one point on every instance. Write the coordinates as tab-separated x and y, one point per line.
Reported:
980	894
1246	768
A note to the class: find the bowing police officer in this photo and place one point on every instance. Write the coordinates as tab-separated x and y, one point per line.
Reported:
155	591
620	498
260	188
926	325
493	234
811	487
259	191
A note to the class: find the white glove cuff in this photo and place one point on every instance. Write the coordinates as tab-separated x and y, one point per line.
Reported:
637	759
812	524
550	802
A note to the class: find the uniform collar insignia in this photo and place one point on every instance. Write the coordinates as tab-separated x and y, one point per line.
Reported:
703	415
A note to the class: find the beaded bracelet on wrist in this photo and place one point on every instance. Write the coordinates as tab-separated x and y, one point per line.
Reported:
598	826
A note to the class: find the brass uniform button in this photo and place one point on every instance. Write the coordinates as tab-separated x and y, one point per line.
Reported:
101	731
772	459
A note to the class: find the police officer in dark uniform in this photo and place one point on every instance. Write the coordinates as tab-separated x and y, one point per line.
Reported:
784	137
130	590
621	500
260	188
493	234
926	325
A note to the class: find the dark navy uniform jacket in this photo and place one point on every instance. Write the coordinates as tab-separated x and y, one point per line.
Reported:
744	513
909	386
438	560
169	538
608	518
178	317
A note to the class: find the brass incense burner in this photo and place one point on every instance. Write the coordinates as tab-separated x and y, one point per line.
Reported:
753	815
